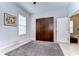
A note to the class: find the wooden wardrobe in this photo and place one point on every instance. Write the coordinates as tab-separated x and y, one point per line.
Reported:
45	29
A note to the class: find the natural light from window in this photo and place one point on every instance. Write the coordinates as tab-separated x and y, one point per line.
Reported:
22	25
71	26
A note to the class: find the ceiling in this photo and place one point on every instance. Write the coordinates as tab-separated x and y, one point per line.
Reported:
41	7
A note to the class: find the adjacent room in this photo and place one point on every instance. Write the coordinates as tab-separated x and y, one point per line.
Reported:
39	28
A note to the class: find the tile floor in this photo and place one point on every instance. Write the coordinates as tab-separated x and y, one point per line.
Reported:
70	49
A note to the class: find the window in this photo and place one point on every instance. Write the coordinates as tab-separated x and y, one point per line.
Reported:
22	25
71	26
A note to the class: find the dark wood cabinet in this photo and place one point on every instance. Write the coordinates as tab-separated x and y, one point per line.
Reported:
73	40
45	29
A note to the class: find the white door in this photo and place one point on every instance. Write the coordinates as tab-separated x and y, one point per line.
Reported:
63	30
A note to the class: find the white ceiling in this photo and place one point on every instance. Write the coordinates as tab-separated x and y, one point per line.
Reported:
41	7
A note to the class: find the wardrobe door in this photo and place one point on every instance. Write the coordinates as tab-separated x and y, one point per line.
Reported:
44	29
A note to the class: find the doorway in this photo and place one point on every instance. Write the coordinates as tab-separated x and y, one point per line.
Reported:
45	29
74	28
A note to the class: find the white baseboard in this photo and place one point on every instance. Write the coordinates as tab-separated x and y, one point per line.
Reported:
14	45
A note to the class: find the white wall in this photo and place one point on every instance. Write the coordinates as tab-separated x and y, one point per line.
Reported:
54	13
9	34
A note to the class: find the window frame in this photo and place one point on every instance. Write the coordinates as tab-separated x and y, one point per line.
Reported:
71	26
21	25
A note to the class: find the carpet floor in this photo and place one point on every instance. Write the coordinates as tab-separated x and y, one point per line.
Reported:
37	48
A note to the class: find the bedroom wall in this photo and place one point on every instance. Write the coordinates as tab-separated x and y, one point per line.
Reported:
9	34
55	13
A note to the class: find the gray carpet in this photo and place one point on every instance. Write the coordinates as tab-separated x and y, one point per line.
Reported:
37	48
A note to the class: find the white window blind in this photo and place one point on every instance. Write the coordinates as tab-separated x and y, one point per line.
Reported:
22	25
